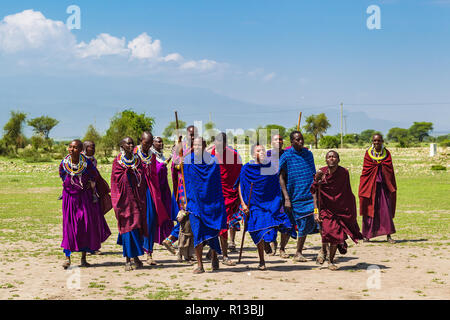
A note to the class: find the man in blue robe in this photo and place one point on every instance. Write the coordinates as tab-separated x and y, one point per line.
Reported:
205	204
262	204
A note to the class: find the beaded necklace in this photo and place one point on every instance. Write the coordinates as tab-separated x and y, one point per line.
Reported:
75	170
146	159
159	155
377	156
133	163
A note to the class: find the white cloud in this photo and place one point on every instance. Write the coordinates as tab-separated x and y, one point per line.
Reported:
142	47
31	30
173	57
201	65
103	45
269	76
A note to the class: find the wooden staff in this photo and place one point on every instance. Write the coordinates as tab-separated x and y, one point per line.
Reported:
245	222
180	153
299	119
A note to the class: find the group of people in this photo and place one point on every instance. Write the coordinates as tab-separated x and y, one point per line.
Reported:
278	191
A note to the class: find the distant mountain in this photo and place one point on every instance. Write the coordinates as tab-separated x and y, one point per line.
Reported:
80	101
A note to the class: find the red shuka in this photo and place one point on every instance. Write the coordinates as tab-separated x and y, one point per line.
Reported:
337	207
151	176
128	199
368	185
230	167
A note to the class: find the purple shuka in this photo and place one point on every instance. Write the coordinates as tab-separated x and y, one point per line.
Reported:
84	227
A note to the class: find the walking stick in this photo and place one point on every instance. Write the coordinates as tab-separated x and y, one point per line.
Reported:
299	120
245	223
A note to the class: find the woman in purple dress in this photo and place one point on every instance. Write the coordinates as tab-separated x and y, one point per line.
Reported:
83	227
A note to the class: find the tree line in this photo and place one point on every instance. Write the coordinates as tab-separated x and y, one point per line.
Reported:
129	123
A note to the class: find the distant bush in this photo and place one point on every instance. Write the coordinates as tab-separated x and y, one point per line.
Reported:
438	167
404	142
329	142
445	143
32	156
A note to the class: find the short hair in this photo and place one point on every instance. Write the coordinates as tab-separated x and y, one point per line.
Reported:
223	136
147	133
87	143
291	135
78	141
337	154
253	147
123	140
378	134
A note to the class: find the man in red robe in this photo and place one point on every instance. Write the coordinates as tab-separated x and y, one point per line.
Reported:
337	208
230	167
159	222
128	195
378	192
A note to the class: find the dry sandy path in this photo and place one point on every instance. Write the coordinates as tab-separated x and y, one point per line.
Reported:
406	271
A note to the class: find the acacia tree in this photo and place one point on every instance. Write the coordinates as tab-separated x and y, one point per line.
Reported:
420	130
43	125
13	135
126	124
92	135
169	131
317	125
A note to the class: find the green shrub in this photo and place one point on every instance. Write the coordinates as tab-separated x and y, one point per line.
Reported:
329	142
445	143
438	167
32	156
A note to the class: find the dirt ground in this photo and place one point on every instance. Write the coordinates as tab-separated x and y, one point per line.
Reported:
374	270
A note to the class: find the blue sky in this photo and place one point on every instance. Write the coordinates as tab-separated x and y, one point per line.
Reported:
246	62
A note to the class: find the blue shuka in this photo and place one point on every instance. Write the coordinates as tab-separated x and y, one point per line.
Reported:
265	202
300	171
205	202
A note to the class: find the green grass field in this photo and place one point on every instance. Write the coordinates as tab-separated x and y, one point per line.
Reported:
30	228
29	208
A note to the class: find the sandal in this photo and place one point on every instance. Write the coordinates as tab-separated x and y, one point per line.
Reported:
66	264
227	261
137	263
273	246
332	266
151	262
262	267
342	247
128	266
299	258
199	270
320	257
232	247
390	240
284	255
169	246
